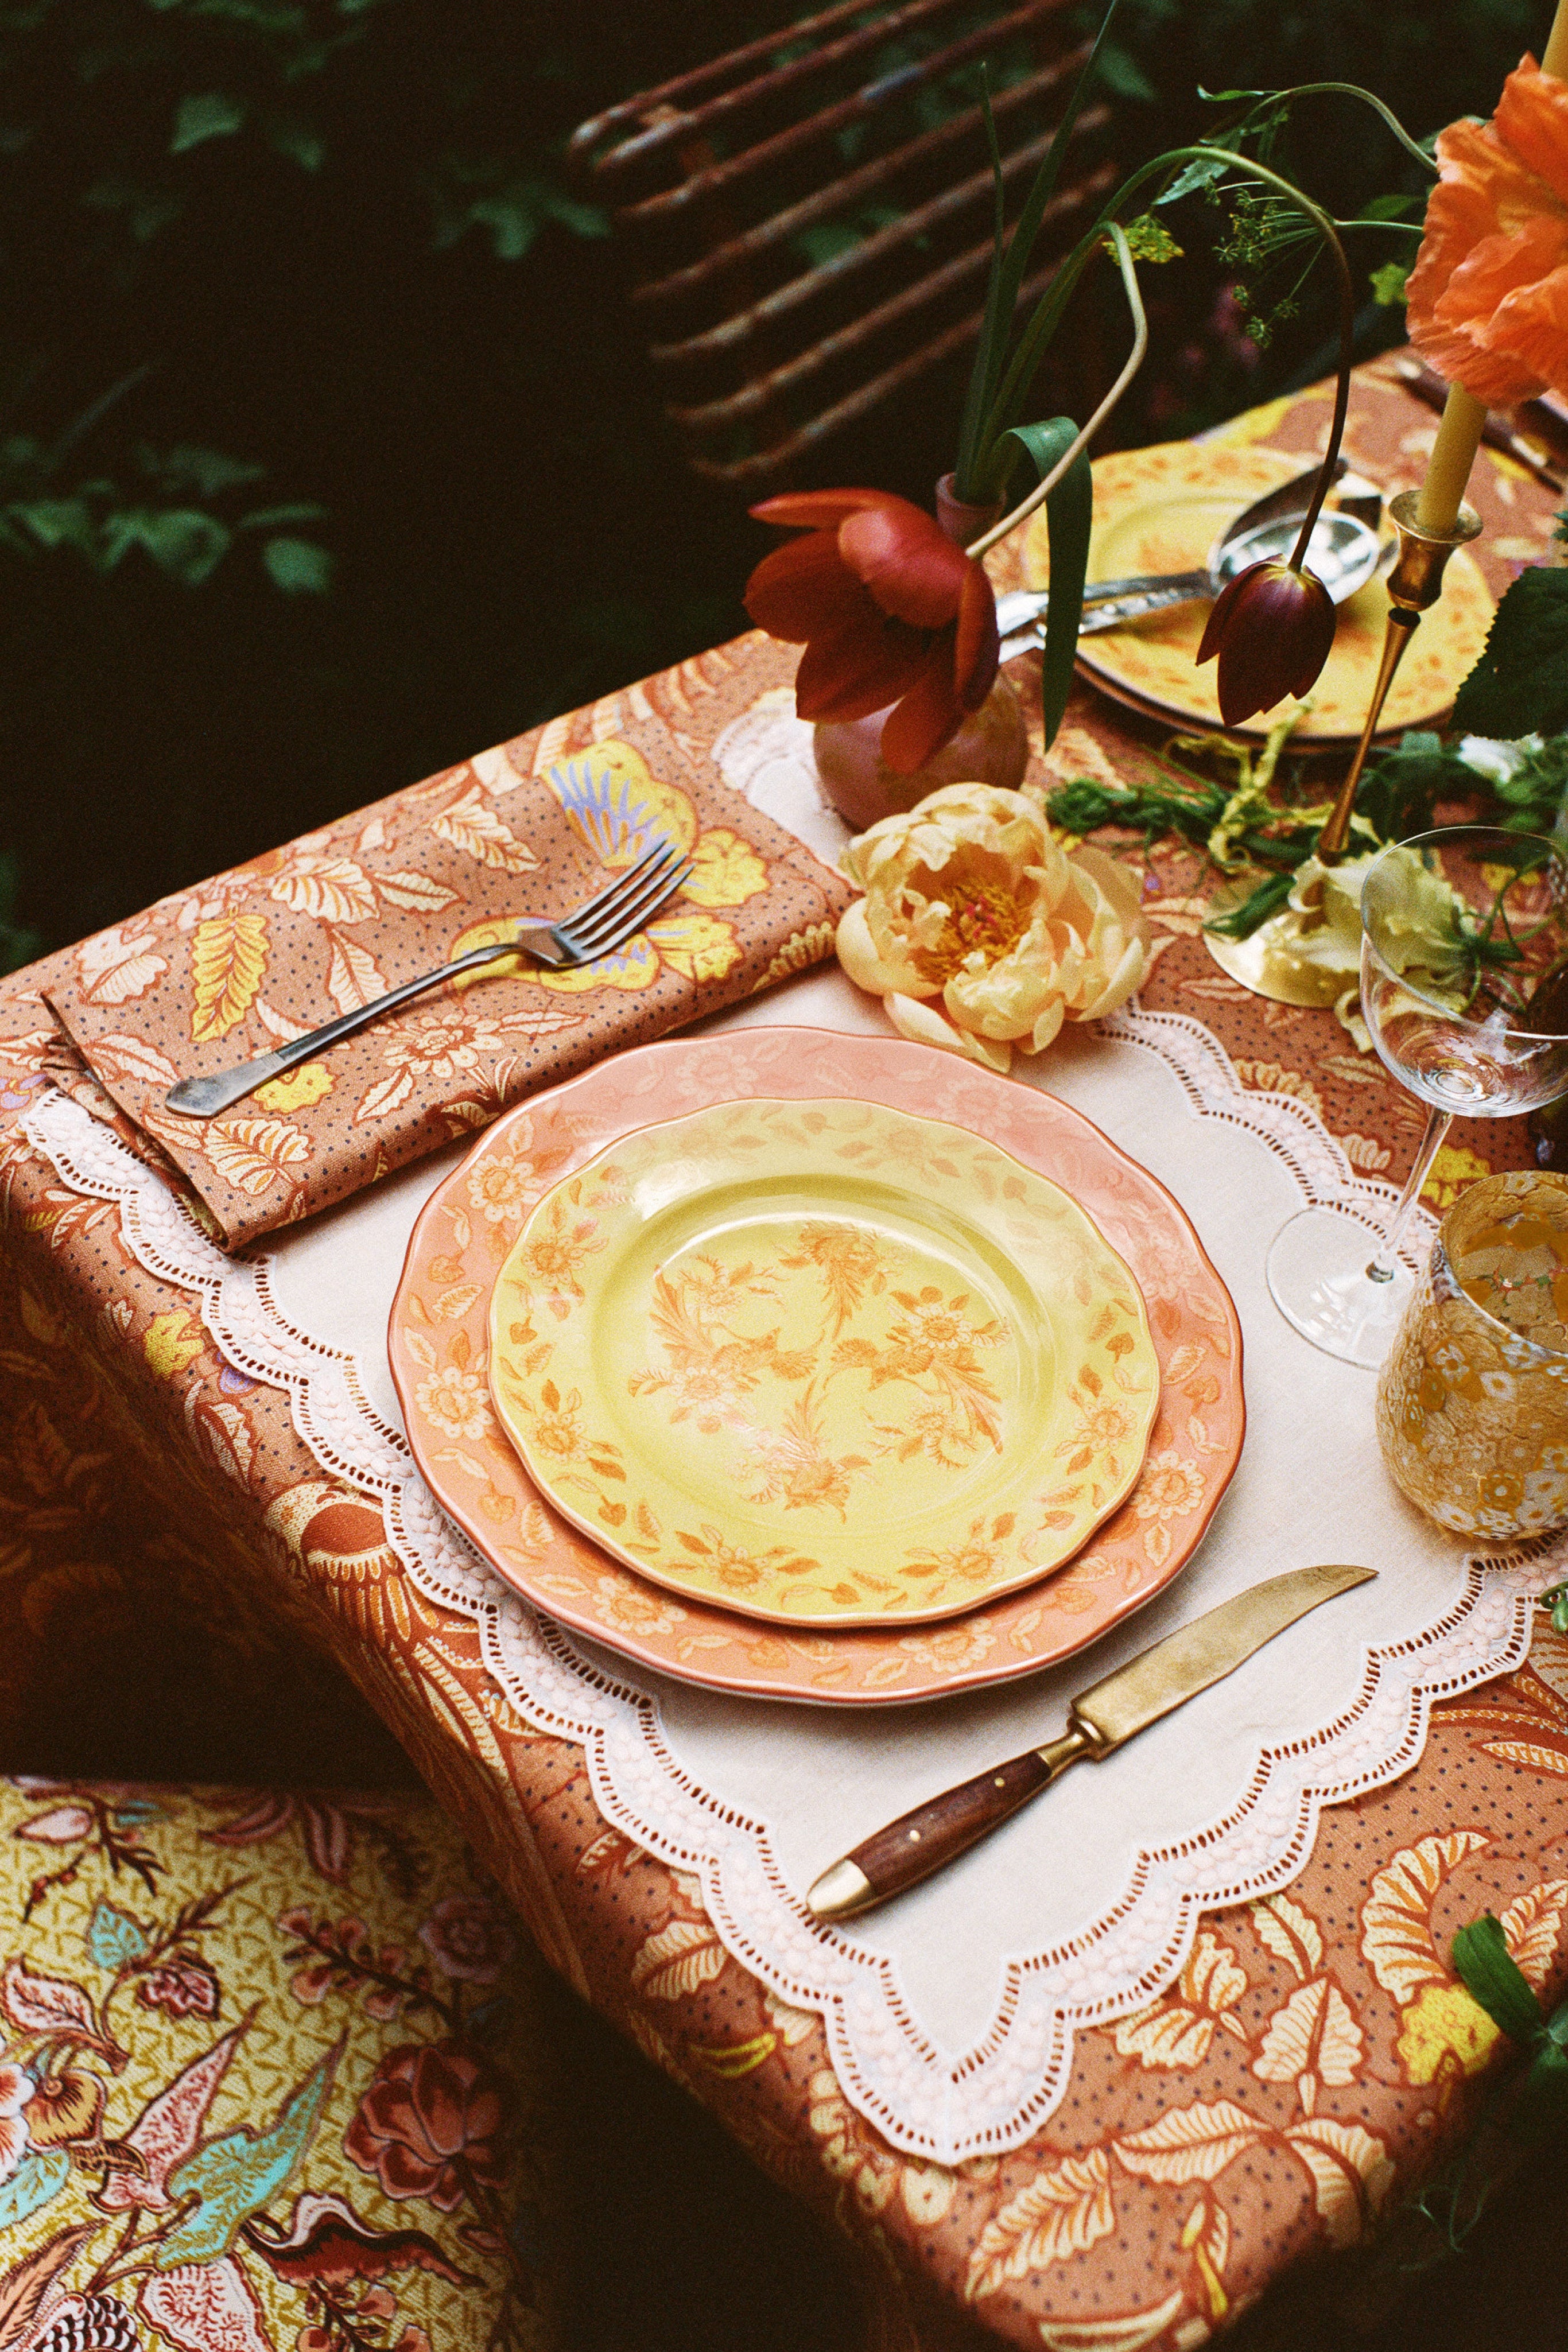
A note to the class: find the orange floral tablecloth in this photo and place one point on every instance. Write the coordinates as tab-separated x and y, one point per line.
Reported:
1316	2059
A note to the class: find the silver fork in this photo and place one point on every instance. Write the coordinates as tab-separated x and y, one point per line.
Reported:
605	922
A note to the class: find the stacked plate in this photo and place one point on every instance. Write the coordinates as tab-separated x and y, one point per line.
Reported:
818	1367
1159	510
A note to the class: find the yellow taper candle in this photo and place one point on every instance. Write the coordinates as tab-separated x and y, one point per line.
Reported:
1453	454
1460	433
1554	56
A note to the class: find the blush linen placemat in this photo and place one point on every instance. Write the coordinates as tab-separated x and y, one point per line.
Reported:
237	966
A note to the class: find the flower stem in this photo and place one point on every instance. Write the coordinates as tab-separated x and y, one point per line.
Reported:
1070	456
1036	335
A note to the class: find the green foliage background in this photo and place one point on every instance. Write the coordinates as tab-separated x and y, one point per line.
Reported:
328	452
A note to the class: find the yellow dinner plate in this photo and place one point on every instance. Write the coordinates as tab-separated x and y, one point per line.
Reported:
1160	509
823	1362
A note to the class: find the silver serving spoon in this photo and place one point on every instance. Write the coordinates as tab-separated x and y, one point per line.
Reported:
1344	552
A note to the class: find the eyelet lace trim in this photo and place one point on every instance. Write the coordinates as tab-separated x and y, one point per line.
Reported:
928	2102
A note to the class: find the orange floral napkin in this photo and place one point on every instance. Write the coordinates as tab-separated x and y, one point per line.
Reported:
211	976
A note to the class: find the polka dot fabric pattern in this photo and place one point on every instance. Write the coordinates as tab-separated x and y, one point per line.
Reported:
527	831
1315	2062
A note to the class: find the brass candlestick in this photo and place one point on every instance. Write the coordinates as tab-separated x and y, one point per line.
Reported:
1268	961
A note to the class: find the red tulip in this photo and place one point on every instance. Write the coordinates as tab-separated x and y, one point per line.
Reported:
1273	629
887	609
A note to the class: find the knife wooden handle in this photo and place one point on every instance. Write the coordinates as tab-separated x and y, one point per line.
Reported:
936	1832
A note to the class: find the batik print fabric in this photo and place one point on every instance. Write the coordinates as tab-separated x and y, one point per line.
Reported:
529	830
134	1463
271	2081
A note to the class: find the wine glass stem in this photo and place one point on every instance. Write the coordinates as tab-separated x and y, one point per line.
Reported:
1385	1262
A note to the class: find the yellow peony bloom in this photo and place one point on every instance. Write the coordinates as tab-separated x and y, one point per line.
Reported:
978	931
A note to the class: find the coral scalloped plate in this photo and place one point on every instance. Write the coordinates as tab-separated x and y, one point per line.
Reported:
438	1341
822	1362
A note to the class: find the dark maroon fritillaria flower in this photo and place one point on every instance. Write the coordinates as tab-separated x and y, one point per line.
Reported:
889	610
1273	629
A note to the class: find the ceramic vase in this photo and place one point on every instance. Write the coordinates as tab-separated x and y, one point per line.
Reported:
992	747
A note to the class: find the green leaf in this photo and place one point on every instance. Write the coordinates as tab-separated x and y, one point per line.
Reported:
1008	266
114	1936
1492	1976
296	140
208	472
182	541
1519	686
1123	74
212	116
59	522
297	567
234	2176
1201	173
1255	908
42	2174
1388	282
144	210
269	517
1399	790
1069	510
1543	2095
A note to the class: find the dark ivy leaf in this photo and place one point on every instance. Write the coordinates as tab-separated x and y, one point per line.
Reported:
1123	75
208	472
274	518
1519	686
297	566
211	116
187	544
1397	792
296	141
58	522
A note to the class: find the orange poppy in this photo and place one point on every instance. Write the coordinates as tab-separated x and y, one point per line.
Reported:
889	610
1487	298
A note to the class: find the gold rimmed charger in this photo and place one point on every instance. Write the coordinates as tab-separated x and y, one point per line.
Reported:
826	1362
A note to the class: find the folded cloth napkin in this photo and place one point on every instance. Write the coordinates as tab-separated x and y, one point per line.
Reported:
531	829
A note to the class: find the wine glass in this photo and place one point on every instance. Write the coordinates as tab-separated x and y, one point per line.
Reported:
1464	989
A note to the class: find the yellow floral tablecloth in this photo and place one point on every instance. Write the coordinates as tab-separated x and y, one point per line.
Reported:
1314	2062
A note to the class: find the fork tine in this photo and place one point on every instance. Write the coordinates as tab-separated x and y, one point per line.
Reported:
649	874
618	885
606	936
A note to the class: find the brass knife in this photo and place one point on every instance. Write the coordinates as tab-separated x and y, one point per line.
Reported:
1098	1720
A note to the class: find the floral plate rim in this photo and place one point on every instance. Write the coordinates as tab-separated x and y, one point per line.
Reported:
715	1648
1101	671
1020	1555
